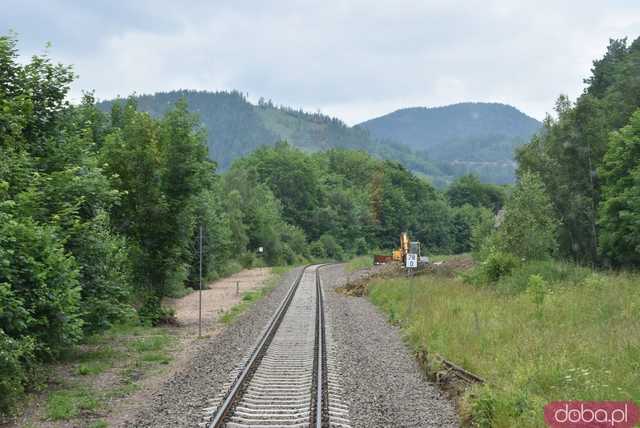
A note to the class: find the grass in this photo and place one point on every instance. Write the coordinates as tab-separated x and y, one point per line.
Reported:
151	343
446	257
126	348
155	357
575	337
93	368
359	262
250	297
69	403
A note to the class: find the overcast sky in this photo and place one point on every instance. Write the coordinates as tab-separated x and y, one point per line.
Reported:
351	59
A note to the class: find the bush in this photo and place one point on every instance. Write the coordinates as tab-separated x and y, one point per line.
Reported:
331	247
15	357
316	249
153	313
361	246
551	271
483	409
105	275
40	293
498	265
538	290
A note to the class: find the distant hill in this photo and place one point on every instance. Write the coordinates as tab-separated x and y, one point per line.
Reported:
236	127
478	137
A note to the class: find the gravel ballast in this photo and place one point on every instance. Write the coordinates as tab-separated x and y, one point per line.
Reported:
180	401
382	382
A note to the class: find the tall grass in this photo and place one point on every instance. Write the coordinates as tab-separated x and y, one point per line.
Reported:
580	341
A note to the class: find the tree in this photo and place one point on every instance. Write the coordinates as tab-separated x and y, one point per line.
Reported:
529	227
132	157
464	221
568	153
619	215
469	190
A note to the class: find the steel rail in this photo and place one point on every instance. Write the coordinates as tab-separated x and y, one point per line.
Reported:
253	361
319	411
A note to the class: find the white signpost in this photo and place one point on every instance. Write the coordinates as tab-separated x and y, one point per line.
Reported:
412	260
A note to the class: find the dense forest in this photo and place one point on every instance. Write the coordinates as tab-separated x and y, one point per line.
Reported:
236	127
100	211
481	141
588	159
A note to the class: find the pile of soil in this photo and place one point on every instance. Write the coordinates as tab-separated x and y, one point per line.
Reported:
450	268
357	283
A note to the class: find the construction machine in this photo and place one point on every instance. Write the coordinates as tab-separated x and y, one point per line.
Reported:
400	255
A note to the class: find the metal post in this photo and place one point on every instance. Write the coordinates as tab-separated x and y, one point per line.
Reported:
200	290
237	288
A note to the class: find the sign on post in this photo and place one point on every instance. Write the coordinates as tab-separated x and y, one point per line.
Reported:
412	260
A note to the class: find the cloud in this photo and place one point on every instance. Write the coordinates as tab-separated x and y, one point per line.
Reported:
355	59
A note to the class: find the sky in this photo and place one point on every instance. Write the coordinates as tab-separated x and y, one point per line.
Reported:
355	60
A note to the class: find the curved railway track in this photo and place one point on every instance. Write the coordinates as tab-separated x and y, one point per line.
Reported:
289	377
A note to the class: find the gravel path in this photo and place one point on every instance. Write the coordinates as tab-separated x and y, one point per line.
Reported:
382	382
180	401
219	296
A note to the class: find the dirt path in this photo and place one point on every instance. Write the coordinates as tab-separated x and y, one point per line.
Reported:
218	297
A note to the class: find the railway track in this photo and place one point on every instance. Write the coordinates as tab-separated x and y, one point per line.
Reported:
289	378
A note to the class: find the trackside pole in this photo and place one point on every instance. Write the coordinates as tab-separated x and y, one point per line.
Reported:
200	289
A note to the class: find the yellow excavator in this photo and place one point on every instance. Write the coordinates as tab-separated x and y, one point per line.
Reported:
400	255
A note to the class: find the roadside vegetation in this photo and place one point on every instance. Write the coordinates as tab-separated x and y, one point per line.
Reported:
82	385
549	331
543	316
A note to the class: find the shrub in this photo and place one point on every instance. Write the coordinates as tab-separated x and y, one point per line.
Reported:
538	290
15	357
498	265
331	247
105	275
361	246
551	271
483	409
316	249
41	296
153	313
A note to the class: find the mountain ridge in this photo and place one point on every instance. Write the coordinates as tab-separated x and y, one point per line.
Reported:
236	127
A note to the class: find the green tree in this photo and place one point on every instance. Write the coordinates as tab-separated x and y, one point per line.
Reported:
132	157
469	190
620	211
569	151
529	227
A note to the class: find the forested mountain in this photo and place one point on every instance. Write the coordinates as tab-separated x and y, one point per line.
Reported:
237	127
465	137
